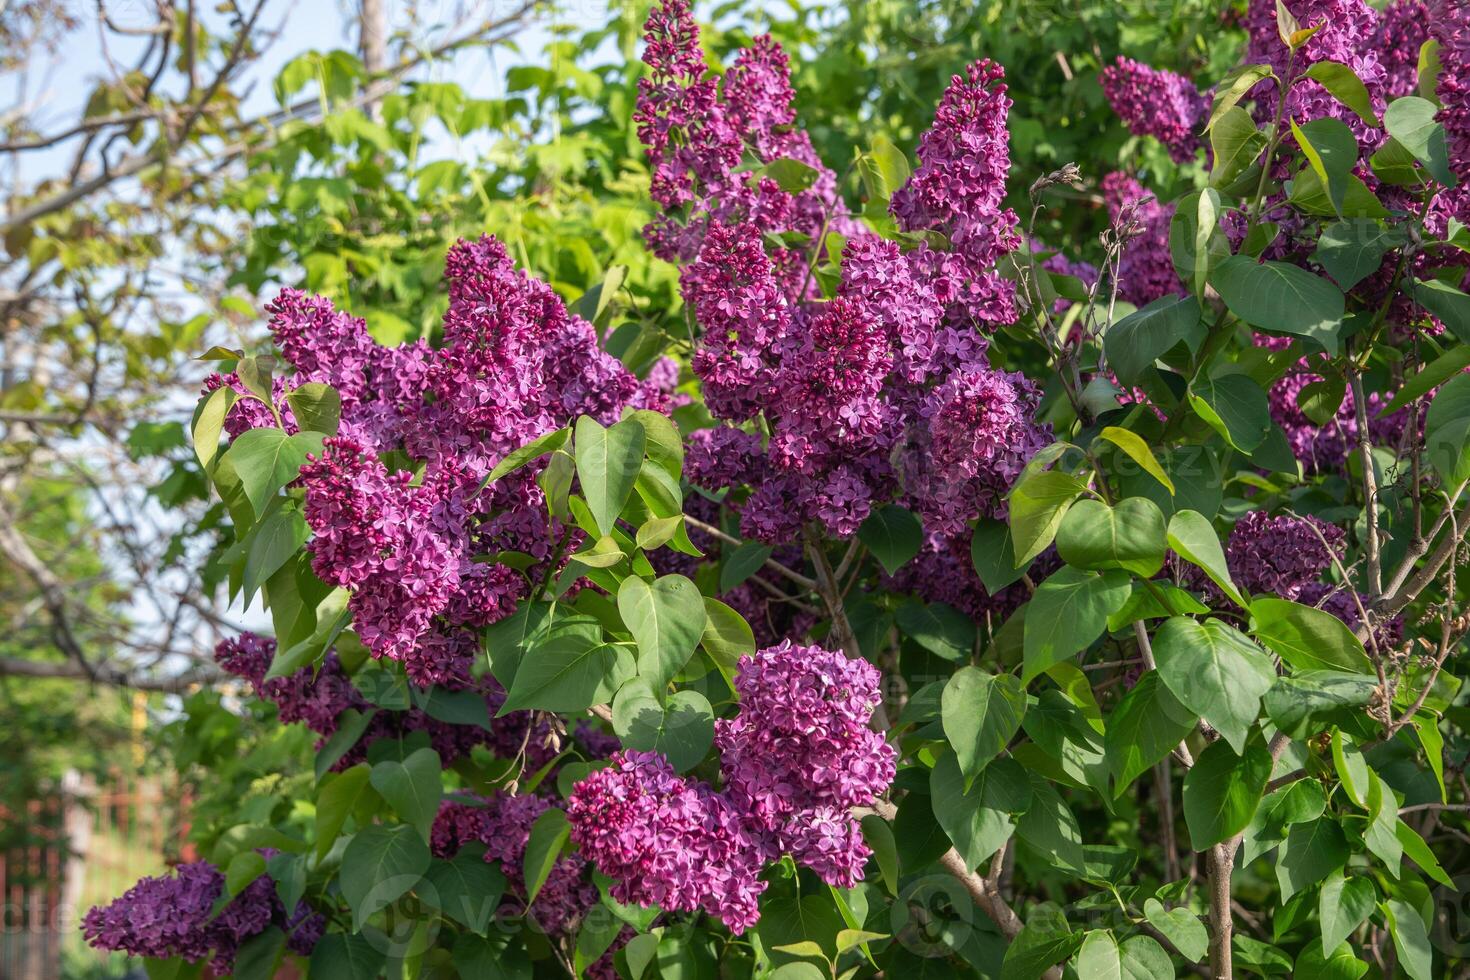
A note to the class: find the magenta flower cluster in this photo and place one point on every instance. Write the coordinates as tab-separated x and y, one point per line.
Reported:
852	387
1157	103
1280	555
417	553
796	758
317	697
173	916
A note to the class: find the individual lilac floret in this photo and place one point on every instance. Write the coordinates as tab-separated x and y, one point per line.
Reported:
1280	555
1157	103
800	753
667	841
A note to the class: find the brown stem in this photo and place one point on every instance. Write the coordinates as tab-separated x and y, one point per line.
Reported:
1370	483
1221	924
831	592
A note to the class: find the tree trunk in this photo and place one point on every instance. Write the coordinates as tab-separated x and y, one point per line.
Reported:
372	30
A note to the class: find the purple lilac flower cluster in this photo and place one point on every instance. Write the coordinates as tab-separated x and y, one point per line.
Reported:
1449	23
795	759
1347	32
173	916
317	697
514	365
699	131
1157	103
1281	555
852	389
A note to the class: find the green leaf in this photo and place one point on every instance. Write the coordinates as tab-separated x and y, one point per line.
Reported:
1069	610
336	798
1140	338
596	301
379	866
666	619
488	959
1236	144
681	730
893	535
1099	958
338	956
272	543
793	176
608	461
1410	938
1451	306
1447	430
1312	851
1353	250
1304	704
879	838
1130	536
535	449
1411	121
1050	829
243	869
941	629
1222	791
980	817
993	554
1145	959
741	563
1420	854
209	424
980	713
1282	298
1344	904
351	723
267	459
549	834
411	787
1143	729
569	671
1341	965
317	407
1194	539
1137	450
1437	372
1181	927
1307	638
467	888
727	636
1233	87
1045	940
1332	151
260	955
1234	406
662	442
1038	502
1216	672
1345	86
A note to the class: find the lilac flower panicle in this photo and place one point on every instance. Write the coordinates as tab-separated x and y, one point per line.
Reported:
1157	103
1281	555
173	916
